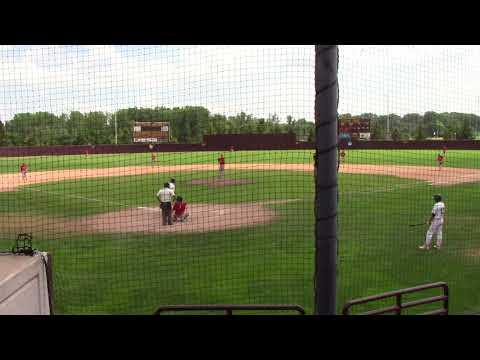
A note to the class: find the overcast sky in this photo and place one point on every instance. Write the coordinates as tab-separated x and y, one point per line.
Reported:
258	80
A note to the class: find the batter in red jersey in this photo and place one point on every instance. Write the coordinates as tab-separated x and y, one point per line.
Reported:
221	165
23	171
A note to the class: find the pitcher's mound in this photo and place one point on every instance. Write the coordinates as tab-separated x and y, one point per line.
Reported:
216	182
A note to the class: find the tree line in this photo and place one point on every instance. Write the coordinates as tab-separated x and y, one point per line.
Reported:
415	126
190	123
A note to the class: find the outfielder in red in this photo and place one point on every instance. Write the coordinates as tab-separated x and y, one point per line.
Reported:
23	171
221	165
180	211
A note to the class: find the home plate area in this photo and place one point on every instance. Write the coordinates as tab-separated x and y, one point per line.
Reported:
203	218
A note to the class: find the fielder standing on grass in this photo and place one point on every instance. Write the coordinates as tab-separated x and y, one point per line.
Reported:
166	196
436	224
221	165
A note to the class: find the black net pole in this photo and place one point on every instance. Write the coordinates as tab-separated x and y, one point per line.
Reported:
326	103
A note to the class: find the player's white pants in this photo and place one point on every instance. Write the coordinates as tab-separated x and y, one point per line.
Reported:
435	228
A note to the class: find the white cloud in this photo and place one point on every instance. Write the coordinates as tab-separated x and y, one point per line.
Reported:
228	79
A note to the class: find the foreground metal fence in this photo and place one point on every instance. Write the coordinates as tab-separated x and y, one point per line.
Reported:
399	305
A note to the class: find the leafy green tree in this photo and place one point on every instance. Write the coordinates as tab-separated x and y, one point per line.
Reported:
420	134
376	131
465	132
311	134
3	136
396	135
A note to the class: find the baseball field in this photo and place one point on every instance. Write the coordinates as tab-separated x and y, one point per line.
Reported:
249	238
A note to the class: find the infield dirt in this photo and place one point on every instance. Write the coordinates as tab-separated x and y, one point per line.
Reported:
432	175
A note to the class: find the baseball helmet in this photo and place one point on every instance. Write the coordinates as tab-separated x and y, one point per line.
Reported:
437	197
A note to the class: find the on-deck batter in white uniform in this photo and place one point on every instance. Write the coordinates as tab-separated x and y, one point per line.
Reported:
436	224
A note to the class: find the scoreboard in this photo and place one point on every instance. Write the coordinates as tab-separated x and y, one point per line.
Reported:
151	132
355	128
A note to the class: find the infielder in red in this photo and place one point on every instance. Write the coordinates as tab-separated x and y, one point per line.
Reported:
23	171
221	165
180	211
440	159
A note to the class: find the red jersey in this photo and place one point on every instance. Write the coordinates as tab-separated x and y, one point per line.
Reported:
221	160
23	168
439	157
179	208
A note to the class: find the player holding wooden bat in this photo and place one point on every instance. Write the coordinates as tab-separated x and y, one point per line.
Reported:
436	224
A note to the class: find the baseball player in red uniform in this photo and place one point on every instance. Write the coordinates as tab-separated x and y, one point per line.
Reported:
221	165
440	158
180	211
23	171
342	156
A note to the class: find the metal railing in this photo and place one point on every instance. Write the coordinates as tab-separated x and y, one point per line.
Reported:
399	306
229	308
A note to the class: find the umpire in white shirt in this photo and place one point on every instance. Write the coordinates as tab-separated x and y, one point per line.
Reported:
166	197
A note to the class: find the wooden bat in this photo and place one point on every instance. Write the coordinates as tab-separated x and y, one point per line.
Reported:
417	224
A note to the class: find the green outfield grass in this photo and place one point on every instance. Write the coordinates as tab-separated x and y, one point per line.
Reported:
454	158
272	263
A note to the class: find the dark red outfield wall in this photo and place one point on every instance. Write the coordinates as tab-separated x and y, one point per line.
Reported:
414	145
250	141
246	142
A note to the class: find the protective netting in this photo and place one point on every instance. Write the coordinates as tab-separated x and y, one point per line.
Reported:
249	236
413	96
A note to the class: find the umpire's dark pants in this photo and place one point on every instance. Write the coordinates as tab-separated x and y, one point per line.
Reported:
166	212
